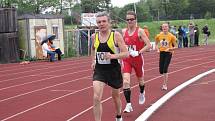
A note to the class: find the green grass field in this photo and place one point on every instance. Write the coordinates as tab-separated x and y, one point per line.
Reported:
154	27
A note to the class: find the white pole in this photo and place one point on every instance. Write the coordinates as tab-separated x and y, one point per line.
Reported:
135	9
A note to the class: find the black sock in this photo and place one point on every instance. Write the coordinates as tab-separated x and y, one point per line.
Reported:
127	94
118	116
142	88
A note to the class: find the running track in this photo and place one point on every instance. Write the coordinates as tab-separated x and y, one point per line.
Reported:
62	91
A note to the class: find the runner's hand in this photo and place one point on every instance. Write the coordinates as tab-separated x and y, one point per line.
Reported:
93	65
133	53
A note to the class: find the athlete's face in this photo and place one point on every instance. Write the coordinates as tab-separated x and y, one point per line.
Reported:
103	23
131	20
165	27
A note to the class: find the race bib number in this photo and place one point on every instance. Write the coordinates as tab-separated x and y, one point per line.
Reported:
101	58
131	47
164	43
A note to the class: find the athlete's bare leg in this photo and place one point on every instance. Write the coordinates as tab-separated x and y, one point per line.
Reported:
97	96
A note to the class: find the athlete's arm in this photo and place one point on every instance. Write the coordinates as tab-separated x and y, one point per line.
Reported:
174	44
146	40
121	44
156	44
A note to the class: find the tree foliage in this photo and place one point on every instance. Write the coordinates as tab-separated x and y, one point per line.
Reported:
95	5
146	9
31	6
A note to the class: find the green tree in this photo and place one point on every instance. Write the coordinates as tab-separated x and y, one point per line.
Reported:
33	6
95	5
142	11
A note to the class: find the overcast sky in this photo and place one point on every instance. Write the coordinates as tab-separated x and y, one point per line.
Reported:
121	3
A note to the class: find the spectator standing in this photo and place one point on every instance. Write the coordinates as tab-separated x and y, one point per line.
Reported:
196	30
185	38
191	34
206	33
180	37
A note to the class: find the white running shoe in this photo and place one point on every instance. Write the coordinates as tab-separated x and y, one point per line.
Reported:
164	87
119	119
142	98
128	108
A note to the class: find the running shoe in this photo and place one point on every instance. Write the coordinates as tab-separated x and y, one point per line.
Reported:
142	98
128	108
119	119
164	87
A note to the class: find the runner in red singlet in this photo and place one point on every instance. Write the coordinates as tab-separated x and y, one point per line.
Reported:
137	42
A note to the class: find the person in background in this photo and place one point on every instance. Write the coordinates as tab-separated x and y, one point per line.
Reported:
165	43
191	34
180	37
137	43
49	49
173	30
206	33
196	37
108	47
53	47
185	38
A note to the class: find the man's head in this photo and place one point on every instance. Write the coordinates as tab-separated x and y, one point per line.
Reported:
131	18
103	21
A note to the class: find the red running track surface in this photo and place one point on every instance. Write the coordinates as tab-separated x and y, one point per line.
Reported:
60	91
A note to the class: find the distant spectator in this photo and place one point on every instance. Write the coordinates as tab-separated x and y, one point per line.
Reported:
191	34
196	37
185	38
207	33
173	30
180	37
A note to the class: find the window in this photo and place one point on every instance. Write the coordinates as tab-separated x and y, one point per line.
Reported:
55	30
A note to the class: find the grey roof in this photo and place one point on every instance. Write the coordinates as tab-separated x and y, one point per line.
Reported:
40	16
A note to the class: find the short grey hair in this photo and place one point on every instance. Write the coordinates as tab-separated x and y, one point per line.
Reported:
104	13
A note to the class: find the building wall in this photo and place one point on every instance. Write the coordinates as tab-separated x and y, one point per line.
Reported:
23	38
8	35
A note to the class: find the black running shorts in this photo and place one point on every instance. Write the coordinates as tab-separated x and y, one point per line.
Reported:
110	76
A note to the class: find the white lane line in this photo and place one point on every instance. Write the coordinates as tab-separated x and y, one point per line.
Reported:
62	90
146	114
